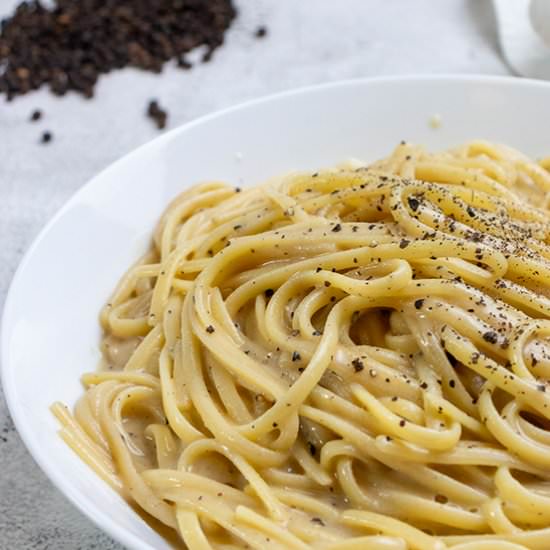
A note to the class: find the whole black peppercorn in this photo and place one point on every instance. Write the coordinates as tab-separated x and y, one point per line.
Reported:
36	115
261	32
157	114
46	137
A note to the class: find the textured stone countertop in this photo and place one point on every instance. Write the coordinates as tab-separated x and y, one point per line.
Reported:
308	42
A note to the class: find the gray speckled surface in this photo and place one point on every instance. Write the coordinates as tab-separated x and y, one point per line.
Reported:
309	41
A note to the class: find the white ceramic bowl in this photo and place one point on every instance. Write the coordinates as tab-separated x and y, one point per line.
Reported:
50	329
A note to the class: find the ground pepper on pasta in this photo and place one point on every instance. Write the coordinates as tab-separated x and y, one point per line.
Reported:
355	358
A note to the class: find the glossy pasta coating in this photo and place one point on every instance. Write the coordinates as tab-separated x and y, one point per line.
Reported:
355	358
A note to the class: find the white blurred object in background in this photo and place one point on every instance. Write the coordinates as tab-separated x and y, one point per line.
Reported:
540	17
524	33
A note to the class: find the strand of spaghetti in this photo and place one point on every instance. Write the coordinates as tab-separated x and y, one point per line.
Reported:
258	485
526	448
73	435
416	539
375	542
437	440
181	425
511	490
490	545
183	206
213	420
191	531
113	400
496	518
248	516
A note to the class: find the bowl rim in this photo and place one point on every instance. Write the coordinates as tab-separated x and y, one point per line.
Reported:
98	516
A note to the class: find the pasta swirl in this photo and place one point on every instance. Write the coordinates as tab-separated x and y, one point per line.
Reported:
355	358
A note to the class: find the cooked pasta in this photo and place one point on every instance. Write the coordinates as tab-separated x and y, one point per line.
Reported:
354	358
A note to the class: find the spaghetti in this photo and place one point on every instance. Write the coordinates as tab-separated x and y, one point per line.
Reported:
356	358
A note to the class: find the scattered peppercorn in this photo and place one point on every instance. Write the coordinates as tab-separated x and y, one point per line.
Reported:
261	32
157	114
36	115
358	365
296	356
418	303
491	337
404	243
413	203
46	137
210	329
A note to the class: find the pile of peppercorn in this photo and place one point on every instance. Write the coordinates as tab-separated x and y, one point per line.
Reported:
70	45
